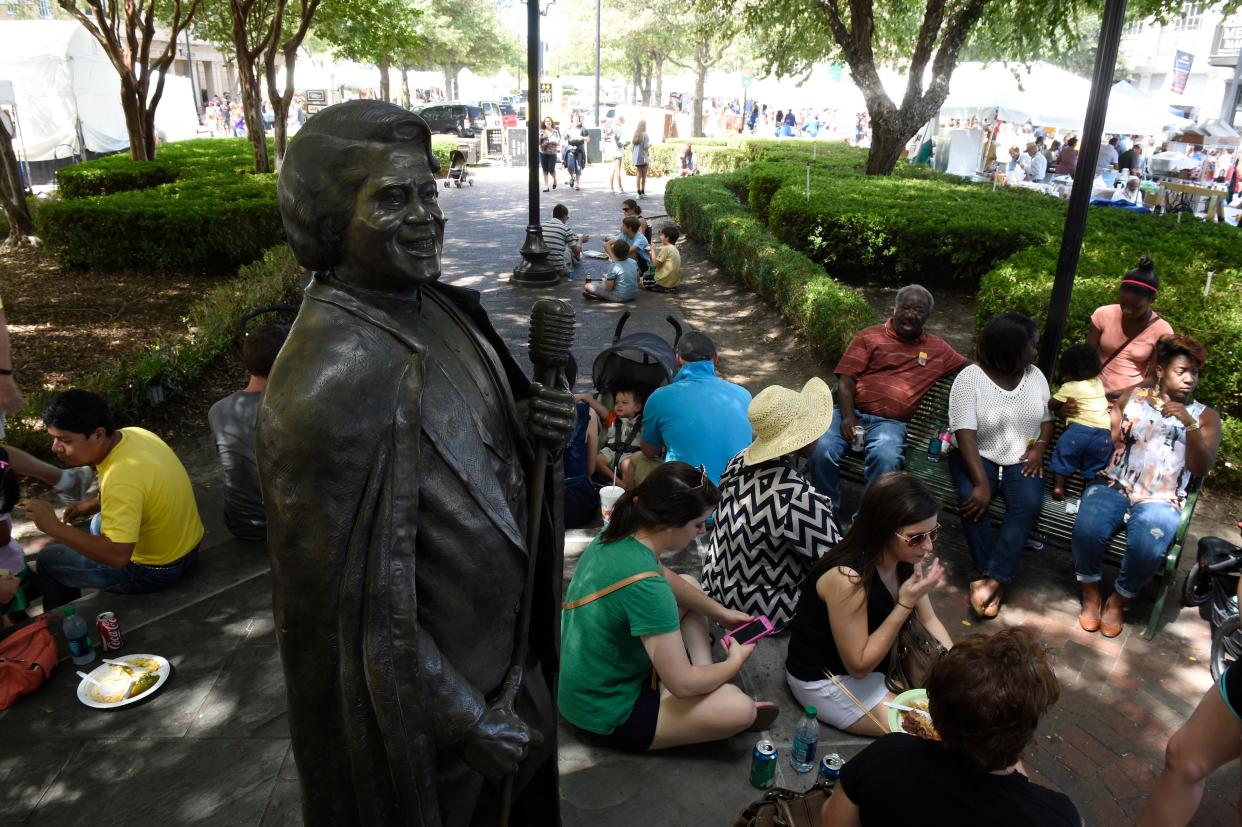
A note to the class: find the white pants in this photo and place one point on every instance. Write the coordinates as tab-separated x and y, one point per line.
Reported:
834	707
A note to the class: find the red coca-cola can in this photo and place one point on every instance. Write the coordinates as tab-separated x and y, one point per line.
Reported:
110	637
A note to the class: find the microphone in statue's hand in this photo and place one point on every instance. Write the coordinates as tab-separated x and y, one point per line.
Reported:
551	334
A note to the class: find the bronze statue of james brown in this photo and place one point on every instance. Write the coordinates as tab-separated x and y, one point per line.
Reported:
394	454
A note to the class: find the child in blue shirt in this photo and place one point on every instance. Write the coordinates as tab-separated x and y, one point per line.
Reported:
621	283
640	247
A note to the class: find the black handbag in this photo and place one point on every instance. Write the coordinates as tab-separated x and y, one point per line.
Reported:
780	807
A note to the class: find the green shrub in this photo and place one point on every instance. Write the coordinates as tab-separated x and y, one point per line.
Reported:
443	146
116	173
826	311
214	215
714	156
210	328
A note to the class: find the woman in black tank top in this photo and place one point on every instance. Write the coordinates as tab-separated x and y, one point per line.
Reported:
857	598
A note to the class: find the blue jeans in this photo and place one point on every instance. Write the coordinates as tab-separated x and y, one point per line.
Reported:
885	442
63	573
996	554
1083	449
1149	533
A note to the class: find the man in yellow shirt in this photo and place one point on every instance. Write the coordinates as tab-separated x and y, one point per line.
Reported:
149	530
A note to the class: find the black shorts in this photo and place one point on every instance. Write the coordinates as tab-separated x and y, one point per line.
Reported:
548	162
636	732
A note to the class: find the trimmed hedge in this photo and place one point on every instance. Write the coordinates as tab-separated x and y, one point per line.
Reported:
924	226
116	173
714	156
827	312
210	328
215	215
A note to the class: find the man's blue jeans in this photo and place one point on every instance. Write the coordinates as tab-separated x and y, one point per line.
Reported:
885	442
1149	532
996	554
63	573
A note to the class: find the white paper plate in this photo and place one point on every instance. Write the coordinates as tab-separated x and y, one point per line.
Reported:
102	669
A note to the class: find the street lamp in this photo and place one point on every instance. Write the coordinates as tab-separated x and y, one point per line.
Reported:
534	269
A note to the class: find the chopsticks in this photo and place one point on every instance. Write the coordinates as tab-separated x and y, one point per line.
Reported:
828	674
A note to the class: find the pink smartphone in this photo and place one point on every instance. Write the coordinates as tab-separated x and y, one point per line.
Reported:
749	632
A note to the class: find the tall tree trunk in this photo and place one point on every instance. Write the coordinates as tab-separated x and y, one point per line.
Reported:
638	80
659	70
405	87
252	107
700	85
140	148
385	83
647	85
12	196
892	129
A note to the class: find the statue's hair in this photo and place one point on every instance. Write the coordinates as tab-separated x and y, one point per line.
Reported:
326	163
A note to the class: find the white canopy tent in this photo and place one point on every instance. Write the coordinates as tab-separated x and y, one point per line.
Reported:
65	85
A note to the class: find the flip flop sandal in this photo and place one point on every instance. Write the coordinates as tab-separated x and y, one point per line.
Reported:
766	713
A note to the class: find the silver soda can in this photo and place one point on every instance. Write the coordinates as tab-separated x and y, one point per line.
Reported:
860	438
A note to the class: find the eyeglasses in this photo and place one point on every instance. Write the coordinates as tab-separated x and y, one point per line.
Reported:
915	540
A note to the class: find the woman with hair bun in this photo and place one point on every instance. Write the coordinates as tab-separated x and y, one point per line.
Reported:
636	660
1126	333
1166	439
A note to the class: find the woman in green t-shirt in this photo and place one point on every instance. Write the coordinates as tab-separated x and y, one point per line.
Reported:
636	660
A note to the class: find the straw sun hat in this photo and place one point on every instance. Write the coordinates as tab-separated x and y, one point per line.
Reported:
786	420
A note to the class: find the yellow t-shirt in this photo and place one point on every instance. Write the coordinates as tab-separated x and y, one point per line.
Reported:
1092	403
668	266
146	498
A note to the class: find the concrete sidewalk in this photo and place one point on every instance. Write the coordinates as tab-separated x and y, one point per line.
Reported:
213	747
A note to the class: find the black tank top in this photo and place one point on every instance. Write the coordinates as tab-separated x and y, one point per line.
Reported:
811	646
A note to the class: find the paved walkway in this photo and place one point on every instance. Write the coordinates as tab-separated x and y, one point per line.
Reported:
213	747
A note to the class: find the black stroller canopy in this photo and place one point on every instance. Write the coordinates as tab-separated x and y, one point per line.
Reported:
643	359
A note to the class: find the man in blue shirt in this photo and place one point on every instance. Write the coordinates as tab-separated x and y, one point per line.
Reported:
699	418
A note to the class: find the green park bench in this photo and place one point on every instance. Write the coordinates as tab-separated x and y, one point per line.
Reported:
1054	527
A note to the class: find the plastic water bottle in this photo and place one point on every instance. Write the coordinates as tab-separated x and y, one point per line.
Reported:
934	447
76	634
806	737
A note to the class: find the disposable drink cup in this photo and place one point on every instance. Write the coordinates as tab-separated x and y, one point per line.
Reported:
608	496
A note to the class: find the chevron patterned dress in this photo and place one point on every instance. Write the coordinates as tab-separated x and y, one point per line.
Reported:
770	528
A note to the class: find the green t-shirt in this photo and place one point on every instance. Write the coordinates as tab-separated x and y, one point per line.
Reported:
603	662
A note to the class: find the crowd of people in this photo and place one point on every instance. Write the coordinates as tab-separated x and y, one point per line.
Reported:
760	478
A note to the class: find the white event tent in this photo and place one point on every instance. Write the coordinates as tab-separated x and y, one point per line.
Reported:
64	83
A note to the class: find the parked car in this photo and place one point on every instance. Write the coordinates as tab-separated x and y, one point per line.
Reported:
518	102
494	113
460	119
508	114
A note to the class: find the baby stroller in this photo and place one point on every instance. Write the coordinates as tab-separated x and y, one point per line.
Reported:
641	359
457	173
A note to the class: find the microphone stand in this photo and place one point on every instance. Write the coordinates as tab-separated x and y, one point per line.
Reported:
547	366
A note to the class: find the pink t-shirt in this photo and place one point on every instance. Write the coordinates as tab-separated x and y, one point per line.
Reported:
1130	366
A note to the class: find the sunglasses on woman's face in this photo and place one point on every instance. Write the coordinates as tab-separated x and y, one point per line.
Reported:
916	540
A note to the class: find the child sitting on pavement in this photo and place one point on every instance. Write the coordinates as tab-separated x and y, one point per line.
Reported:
620	428
1086	444
640	247
667	274
16	578
621	282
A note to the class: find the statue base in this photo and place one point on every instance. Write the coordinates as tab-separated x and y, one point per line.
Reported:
534	269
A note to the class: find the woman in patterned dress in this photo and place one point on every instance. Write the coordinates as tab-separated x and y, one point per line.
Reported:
772	525
1166	439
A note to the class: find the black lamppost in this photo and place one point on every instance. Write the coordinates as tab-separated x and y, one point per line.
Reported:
1080	195
534	269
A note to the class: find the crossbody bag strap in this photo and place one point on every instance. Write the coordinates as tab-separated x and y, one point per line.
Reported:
1155	317
607	590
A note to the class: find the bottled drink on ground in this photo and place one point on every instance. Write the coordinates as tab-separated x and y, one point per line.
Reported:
77	635
806	738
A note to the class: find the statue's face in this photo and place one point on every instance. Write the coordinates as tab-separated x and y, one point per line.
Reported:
394	240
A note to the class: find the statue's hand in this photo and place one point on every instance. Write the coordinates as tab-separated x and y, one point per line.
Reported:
551	416
500	740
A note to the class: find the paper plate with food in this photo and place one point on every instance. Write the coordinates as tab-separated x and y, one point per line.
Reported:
909	712
123	680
